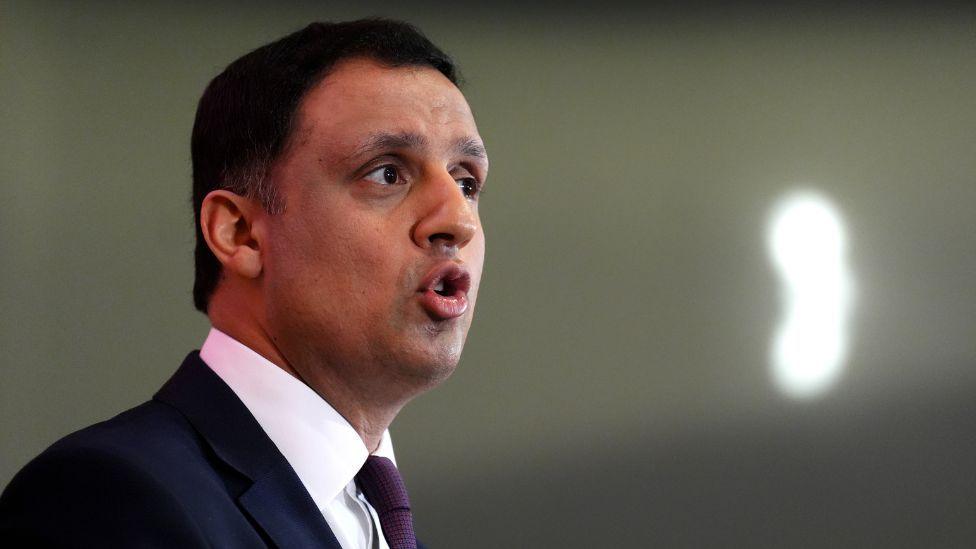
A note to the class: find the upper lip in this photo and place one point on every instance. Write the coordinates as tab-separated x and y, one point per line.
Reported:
453	275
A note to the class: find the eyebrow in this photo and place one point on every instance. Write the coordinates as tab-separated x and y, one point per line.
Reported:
471	147
467	146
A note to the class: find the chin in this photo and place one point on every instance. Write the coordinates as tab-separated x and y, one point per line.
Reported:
431	365
426	354
437	368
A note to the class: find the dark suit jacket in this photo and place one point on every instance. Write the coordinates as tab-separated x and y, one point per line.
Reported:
190	468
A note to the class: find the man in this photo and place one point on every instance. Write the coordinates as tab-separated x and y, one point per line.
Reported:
336	181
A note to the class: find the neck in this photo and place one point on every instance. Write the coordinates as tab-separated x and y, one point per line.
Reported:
370	417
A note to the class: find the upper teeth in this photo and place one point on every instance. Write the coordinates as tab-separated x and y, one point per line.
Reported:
439	287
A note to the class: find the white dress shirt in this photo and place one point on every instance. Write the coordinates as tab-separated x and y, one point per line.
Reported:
321	446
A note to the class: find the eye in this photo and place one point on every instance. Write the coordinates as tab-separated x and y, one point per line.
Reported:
385	175
469	186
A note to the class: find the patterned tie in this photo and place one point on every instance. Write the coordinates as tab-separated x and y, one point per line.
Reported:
381	484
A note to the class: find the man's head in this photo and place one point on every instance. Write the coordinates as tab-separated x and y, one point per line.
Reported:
336	181
248	113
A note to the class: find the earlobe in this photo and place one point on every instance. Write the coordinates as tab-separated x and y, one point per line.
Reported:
226	220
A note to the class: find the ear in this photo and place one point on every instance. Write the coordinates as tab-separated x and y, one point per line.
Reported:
227	222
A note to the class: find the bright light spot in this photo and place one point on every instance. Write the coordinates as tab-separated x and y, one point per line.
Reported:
807	242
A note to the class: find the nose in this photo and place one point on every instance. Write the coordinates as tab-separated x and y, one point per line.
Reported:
448	220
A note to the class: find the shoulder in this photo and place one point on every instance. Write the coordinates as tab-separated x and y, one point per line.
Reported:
108	485
151	432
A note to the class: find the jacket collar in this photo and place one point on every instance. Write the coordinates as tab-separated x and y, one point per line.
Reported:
276	499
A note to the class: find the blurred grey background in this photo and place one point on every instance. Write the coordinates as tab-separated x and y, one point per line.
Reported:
617	388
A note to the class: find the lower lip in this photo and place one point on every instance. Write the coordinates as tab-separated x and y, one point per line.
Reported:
441	307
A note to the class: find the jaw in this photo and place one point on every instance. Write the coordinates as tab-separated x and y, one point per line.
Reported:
432	354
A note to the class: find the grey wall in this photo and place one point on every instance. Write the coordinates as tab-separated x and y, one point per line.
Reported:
616	386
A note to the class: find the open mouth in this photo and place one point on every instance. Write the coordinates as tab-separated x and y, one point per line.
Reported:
445	288
444	291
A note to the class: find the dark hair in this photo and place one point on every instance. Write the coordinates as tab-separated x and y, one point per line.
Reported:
248	112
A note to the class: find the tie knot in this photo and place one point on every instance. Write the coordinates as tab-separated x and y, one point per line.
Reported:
383	487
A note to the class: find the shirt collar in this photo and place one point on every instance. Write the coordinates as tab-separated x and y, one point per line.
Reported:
321	446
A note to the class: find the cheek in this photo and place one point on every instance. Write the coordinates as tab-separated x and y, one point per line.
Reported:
316	261
338	287
474	259
370	266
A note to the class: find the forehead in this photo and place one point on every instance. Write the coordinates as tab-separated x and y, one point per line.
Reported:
362	97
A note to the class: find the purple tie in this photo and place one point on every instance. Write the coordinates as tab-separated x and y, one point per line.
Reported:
381	484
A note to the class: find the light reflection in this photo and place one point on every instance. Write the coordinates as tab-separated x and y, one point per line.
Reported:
808	243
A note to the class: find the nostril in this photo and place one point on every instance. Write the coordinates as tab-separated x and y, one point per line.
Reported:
440	236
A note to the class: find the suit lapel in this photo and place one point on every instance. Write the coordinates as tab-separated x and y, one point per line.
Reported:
276	498
273	502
